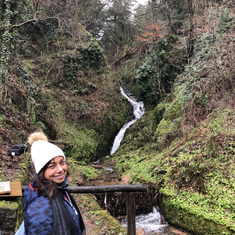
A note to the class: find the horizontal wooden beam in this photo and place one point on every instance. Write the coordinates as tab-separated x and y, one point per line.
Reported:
107	188
104	189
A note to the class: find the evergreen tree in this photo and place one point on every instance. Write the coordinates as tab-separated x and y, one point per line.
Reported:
118	28
91	14
173	11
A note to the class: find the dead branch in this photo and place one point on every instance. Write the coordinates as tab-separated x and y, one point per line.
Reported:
30	21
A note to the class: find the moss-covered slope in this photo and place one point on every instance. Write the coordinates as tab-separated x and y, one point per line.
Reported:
185	145
59	82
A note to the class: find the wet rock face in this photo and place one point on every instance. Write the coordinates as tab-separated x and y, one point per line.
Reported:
177	231
140	231
115	203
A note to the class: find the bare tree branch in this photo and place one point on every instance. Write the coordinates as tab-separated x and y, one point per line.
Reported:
30	21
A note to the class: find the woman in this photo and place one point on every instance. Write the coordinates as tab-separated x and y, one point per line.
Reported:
49	207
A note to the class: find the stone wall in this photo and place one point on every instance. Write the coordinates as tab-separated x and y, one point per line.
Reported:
10	215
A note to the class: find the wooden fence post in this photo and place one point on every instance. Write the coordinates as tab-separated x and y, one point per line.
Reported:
130	208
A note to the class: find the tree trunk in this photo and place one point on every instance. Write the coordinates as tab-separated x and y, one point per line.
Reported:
6	46
190	46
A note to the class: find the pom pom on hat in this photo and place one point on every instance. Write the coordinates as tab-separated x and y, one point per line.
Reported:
42	151
36	136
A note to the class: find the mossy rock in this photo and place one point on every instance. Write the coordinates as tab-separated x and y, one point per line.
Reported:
89	201
11	215
105	220
9	205
179	217
173	110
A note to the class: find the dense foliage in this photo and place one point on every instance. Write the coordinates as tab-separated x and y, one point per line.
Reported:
185	145
156	76
176	56
54	78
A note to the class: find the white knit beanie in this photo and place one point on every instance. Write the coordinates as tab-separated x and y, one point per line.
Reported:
42	151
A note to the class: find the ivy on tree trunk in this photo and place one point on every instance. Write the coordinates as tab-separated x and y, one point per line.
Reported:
6	44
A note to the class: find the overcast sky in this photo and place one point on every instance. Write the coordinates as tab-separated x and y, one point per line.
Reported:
142	1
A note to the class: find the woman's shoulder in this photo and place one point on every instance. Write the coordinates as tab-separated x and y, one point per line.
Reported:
40	203
39	217
33	201
38	212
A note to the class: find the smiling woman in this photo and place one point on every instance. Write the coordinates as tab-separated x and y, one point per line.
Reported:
49	207
56	170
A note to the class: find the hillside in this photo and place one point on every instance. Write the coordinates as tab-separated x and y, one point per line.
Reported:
56	77
184	146
58	81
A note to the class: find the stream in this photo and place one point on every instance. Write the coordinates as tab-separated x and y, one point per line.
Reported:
152	223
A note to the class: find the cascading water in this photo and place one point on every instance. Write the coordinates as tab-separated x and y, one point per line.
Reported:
150	223
138	111
154	221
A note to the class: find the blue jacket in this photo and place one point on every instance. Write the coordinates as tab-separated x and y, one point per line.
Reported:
39	213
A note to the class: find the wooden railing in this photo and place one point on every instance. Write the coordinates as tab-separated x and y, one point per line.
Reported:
130	199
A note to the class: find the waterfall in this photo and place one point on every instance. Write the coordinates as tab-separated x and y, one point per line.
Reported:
138	111
152	222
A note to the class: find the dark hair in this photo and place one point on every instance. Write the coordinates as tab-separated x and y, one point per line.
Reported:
45	187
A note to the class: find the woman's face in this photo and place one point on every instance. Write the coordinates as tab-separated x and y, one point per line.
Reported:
56	170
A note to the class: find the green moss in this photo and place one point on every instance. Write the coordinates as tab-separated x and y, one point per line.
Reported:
10	205
159	111
79	144
107	224
103	222
80	171
88	202
195	173
170	121
163	127
181	217
138	167
29	66
20	214
174	110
